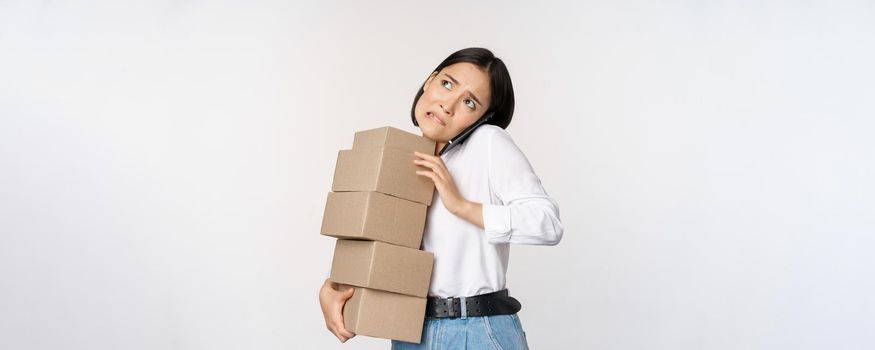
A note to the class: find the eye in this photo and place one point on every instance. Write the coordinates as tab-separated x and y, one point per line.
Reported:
445	82
470	105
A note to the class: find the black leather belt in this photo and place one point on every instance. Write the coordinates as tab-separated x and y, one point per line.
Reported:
495	303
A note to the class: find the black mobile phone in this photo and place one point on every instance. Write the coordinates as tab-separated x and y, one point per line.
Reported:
464	134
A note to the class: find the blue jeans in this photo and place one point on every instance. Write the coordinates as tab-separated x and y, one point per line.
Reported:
497	332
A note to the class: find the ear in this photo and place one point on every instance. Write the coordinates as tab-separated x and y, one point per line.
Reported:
428	81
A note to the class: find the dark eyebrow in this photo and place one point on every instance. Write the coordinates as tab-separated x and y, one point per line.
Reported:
457	82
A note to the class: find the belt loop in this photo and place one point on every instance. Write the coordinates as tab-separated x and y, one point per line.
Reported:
464	308
451	310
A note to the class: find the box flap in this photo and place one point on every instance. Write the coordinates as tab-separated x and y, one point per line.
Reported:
390	137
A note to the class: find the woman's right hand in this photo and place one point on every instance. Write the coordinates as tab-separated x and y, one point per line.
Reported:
332	300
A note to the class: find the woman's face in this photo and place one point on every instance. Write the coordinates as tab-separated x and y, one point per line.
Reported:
452	100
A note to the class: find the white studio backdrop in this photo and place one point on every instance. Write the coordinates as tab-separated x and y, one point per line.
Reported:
164	166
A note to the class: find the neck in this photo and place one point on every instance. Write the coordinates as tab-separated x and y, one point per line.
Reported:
438	147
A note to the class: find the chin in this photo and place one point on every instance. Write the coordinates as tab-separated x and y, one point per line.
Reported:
429	132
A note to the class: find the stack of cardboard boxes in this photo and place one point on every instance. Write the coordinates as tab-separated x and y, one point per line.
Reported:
376	209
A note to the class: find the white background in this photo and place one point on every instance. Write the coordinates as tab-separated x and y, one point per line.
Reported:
164	166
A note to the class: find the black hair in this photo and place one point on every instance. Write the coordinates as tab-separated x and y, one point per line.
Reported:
502	100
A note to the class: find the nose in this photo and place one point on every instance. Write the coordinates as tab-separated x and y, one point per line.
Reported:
446	111
452	100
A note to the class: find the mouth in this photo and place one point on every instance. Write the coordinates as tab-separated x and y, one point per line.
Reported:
435	118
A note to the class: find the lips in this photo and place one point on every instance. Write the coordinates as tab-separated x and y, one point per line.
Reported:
435	117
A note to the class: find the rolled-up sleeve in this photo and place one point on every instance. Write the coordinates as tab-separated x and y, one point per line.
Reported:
526	214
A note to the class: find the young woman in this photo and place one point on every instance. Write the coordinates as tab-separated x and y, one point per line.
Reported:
489	198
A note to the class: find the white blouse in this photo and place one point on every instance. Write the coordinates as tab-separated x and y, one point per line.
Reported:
490	169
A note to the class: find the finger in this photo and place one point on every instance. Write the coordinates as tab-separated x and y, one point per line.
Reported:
434	178
341	329
438	182
428	156
337	334
441	166
347	294
346	334
434	167
425	161
443	172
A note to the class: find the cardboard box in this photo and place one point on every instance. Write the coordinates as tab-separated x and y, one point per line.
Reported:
374	216
381	314
382	160
388	136
383	266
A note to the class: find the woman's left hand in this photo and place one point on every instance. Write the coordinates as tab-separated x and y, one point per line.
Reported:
443	181
453	200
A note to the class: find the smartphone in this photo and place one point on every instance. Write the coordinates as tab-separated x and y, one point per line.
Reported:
464	134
